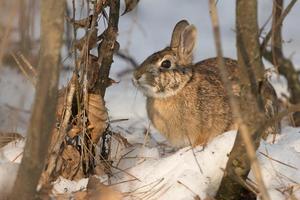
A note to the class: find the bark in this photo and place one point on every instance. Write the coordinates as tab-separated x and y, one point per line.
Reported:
251	107
108	46
43	115
276	57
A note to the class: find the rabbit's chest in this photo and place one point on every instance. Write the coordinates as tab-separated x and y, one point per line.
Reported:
171	119
164	112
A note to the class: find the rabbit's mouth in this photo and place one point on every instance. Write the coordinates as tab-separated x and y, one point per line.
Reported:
156	89
164	84
142	85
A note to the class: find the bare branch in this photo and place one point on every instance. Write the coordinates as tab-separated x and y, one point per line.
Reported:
128	58
108	45
277	58
278	24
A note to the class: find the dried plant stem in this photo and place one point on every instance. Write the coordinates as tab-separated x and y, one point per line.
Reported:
278	161
58	139
23	70
28	65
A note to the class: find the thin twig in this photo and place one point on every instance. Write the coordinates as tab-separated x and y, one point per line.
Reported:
279	23
33	82
29	66
278	161
128	58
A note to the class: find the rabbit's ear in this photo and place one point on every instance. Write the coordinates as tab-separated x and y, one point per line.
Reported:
177	31
187	42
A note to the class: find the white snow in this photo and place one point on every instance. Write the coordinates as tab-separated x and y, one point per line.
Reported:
62	185
161	172
180	175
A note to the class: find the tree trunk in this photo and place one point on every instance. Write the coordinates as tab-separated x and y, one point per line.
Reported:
251	106
43	115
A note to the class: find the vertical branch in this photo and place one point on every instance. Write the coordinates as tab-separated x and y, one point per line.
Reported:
108	46
276	56
277	24
42	119
248	114
276	38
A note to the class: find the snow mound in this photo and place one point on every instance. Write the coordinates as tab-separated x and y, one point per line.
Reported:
183	175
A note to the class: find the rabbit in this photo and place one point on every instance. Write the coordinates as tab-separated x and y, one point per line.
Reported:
187	102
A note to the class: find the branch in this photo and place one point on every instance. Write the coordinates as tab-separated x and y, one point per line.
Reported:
108	46
128	58
277	25
277	58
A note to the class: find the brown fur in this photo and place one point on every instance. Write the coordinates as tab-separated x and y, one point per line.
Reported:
187	102
197	113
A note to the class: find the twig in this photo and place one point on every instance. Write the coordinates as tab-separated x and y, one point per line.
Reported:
264	25
278	24
278	161
13	160
189	189
29	66
128	58
23	70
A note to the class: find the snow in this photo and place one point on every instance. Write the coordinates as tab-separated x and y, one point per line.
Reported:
284	171
183	174
169	177
162	172
62	185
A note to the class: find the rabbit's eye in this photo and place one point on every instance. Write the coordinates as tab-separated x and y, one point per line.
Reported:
166	64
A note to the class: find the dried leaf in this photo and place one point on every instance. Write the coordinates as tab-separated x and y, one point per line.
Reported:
130	5
74	131
6	138
71	162
97	115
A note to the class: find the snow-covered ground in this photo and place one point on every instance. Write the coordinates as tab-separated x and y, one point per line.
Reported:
153	171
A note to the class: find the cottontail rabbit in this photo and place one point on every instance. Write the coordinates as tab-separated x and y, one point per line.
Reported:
186	102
